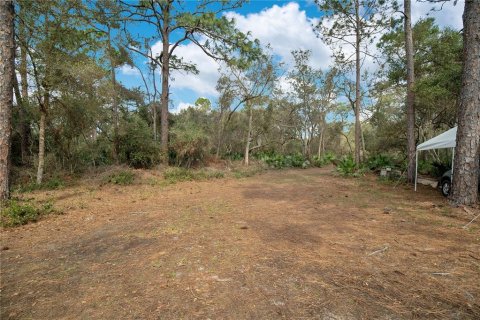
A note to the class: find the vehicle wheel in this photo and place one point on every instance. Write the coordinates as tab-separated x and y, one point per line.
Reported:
446	187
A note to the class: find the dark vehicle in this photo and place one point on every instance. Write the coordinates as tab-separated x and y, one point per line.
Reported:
446	183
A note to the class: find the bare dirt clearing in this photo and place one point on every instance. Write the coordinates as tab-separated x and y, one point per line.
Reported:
293	244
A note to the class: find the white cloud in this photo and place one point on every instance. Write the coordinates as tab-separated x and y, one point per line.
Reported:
285	28
129	70
450	15
182	106
204	83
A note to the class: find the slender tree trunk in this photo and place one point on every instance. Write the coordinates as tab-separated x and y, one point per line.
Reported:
155	115
320	141
358	157
410	92
220	134
322	134
116	142
467	151
7	52
24	122
364	151
165	88
249	134
41	138
154	104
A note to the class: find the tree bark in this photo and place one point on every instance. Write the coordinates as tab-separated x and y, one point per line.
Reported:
116	142
320	142
41	138
7	52
321	138
467	151
358	157
410	102
219	134
249	134
165	87
24	123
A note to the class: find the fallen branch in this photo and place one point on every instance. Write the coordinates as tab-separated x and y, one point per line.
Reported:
379	251
466	226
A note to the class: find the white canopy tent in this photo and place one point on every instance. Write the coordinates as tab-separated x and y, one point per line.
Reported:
448	139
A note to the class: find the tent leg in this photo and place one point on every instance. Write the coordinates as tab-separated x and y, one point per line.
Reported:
416	169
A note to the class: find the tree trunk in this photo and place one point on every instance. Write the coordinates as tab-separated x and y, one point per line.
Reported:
7	52
320	142
410	92
467	151
24	123
154	109
165	56
249	135
219	134
321	139
364	151
41	138
358	157
116	142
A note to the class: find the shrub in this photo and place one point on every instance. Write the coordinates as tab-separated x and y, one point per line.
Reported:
122	178
15	213
137	148
284	161
54	183
346	166
327	158
379	161
189	144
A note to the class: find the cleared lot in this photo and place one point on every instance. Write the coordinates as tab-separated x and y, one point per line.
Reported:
293	244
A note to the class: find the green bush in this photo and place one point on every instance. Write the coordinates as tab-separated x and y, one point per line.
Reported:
347	167
379	161
189	144
54	183
326	159
121	178
137	148
15	213
284	161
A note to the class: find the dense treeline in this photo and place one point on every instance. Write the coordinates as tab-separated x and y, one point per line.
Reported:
70	112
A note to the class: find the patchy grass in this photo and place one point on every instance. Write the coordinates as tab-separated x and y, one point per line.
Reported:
17	212
178	174
53	183
290	244
124	177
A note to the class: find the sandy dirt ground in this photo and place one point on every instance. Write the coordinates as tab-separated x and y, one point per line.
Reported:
289	244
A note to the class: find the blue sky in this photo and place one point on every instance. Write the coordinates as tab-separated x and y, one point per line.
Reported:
285	25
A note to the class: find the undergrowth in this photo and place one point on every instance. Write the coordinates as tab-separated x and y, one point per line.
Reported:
121	178
53	183
347	167
16	212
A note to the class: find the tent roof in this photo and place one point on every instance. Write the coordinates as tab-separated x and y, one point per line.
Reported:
444	140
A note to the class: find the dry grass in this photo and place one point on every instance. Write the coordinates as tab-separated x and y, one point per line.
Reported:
293	244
